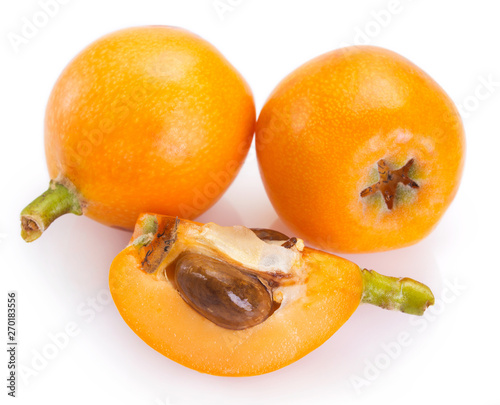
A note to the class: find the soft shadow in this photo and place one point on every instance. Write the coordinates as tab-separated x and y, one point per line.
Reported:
222	213
76	253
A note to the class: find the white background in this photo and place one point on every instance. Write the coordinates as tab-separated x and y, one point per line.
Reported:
451	355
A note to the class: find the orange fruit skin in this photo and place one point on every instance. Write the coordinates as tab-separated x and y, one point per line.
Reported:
148	119
325	127
155	311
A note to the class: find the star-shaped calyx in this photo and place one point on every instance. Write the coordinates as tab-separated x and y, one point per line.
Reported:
389	180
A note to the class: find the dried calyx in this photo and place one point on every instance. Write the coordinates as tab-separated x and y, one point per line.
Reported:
389	180
230	275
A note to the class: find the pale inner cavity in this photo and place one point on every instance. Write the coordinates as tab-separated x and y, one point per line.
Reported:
241	245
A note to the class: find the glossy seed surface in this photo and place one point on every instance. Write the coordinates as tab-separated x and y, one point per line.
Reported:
222	293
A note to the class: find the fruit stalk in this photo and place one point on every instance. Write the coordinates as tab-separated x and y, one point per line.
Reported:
399	294
41	212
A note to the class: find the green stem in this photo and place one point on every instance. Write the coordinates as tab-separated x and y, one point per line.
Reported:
400	294
38	215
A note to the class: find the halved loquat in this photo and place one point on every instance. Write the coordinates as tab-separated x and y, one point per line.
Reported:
233	301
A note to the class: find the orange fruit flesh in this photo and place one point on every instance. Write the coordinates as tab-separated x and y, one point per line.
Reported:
155	311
